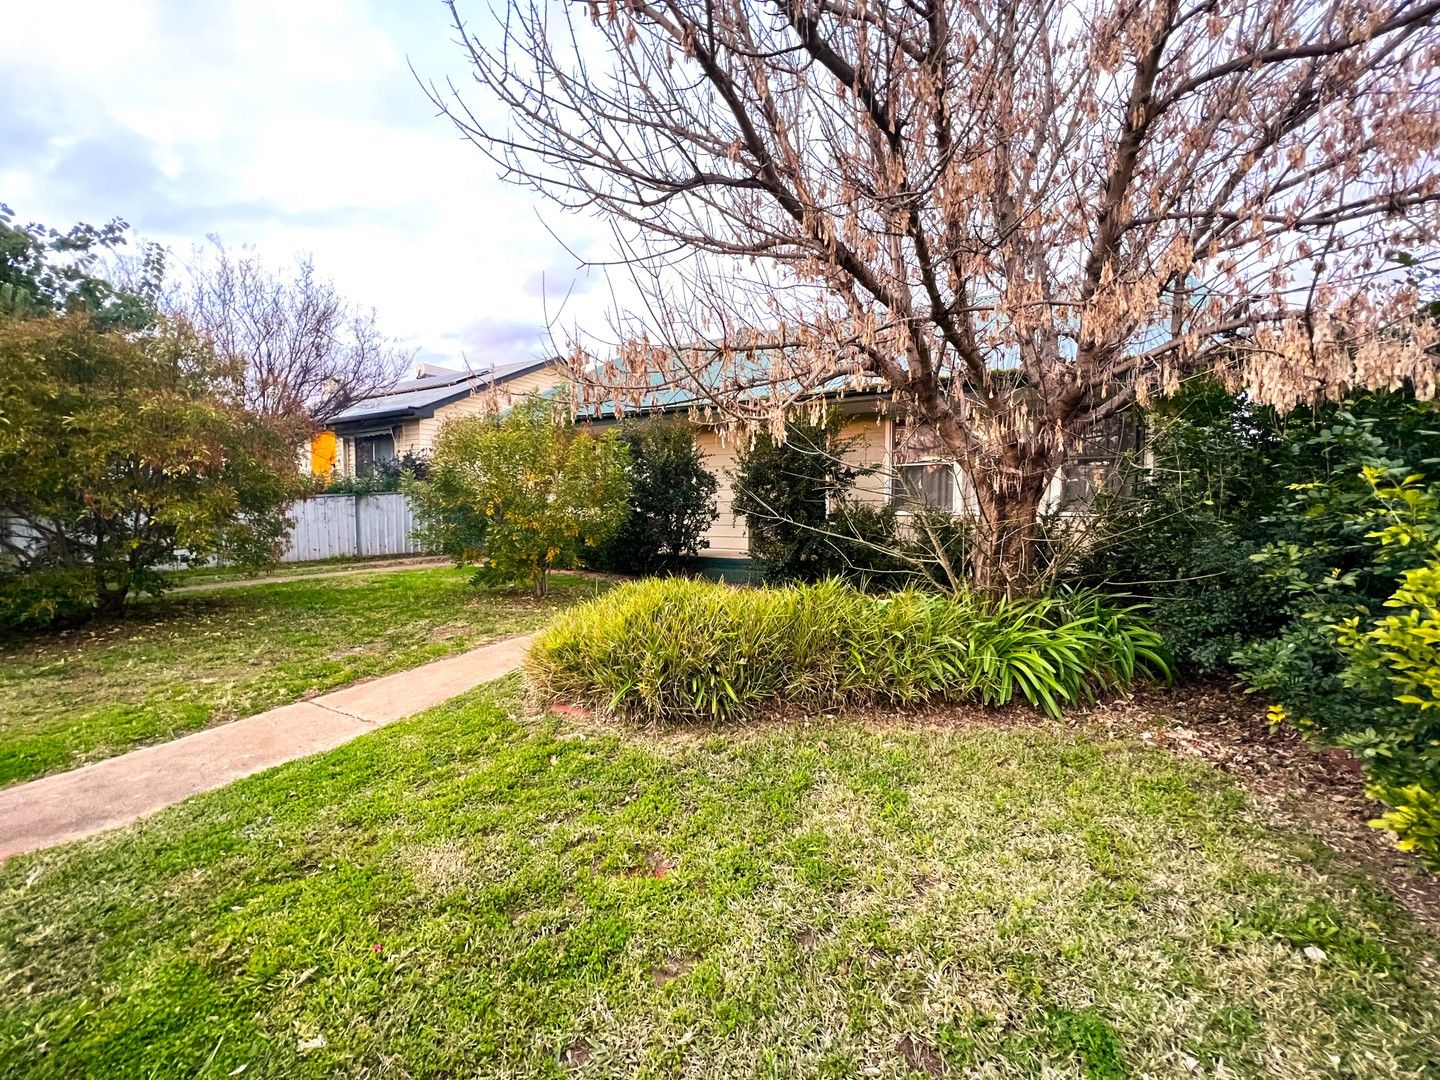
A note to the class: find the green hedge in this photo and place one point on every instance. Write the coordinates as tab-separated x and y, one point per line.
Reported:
680	650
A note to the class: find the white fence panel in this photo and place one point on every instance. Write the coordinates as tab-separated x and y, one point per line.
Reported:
333	526
385	524
326	527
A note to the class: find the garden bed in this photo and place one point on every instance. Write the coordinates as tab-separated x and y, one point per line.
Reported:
678	650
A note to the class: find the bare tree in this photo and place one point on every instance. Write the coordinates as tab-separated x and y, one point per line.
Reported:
1020	215
299	350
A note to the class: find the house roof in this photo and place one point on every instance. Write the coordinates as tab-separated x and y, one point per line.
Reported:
419	397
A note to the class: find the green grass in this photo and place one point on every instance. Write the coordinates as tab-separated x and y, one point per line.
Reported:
474	892
206	575
178	664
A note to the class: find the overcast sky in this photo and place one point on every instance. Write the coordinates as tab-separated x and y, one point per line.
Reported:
289	125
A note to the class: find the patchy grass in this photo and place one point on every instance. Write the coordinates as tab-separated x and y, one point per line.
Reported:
181	663
207	575
475	892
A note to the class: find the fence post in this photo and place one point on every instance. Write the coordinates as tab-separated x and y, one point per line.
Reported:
355	512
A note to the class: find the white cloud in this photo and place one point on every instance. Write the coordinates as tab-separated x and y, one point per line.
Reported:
287	126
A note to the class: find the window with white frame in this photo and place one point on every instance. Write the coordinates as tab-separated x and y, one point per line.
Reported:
373	451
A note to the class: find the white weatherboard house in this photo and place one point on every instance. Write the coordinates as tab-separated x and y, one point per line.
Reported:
910	469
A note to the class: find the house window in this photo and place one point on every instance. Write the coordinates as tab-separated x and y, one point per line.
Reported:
925	486
372	452
1099	465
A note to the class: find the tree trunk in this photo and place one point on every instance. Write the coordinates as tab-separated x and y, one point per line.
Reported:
1007	534
542	583
110	603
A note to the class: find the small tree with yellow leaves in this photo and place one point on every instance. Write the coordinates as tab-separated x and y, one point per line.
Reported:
521	493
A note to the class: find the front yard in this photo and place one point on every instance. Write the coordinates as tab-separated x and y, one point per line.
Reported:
479	891
178	664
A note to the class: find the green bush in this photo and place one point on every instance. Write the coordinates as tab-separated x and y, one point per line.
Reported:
124	453
1300	553
40	598
678	650
389	475
520	493
672	501
786	489
1393	666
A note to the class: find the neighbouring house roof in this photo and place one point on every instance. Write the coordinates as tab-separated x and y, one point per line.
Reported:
418	398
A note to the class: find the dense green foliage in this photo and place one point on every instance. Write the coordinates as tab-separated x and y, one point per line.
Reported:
672	501
121	455
390	475
482	892
1296	552
190	660
46	272
521	493
677	650
796	495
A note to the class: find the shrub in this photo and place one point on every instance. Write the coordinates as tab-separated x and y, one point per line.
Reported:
1300	552
1239	509
387	476
678	650
122	453
41	598
672	501
1393	669
520	493
785	489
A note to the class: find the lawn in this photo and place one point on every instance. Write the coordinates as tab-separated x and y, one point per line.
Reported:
210	575
475	891
186	661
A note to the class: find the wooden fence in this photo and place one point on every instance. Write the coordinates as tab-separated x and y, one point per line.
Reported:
326	527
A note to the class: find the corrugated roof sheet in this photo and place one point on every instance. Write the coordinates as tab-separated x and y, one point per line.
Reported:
432	390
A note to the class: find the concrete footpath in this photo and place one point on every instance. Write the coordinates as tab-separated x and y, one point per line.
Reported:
93	798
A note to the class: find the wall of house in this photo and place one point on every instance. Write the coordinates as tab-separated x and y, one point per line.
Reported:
728	538
419	436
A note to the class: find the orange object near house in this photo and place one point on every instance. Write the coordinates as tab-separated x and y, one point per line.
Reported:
322	453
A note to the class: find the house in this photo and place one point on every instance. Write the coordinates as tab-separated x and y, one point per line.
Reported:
407	417
904	465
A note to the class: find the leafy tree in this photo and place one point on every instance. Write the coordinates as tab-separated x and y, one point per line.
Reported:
44	271
521	493
672	500
120	456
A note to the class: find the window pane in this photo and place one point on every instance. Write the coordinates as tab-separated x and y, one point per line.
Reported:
373	450
925	487
1081	481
